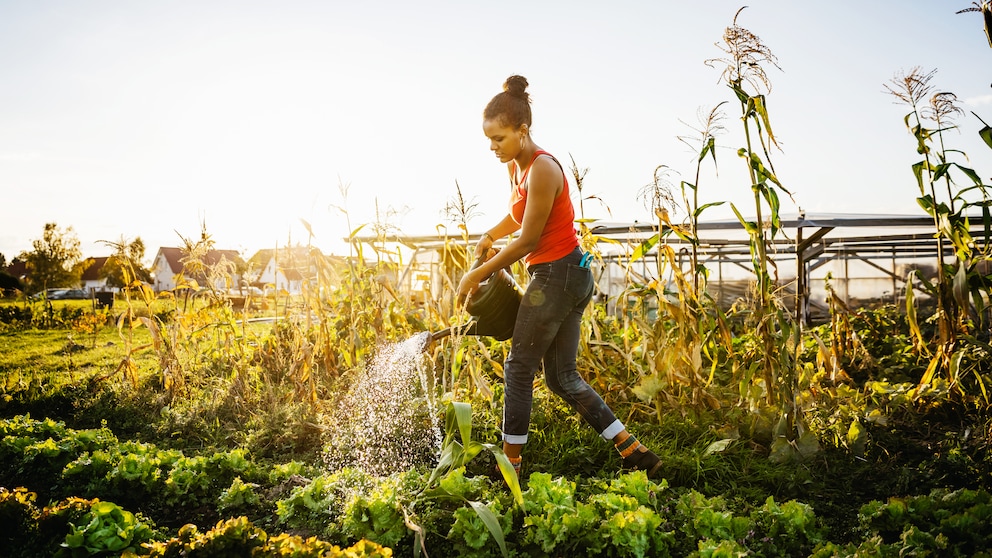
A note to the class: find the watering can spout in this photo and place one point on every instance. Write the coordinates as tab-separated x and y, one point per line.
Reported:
430	338
438	335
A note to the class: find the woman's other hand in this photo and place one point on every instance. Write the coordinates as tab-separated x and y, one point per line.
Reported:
484	246
468	285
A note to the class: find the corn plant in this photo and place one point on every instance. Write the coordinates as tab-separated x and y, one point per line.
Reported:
588	240
347	308
778	338
986	132
463	364
612	356
961	292
351	302
127	262
457	450
639	304
689	324
611	348
711	126
203	340
985	8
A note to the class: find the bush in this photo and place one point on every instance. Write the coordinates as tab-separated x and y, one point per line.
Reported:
19	516
15	317
239	537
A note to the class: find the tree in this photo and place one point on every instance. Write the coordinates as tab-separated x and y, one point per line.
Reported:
124	266
55	260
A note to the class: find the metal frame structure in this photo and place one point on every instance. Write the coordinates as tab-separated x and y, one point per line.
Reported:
806	242
811	241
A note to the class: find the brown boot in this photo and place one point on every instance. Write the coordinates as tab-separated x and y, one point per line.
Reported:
636	457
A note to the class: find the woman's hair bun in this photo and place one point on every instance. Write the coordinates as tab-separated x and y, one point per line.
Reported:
512	105
516	86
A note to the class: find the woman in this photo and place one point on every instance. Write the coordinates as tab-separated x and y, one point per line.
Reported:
548	322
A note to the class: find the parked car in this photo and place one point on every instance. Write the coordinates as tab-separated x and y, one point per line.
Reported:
62	294
73	294
49	294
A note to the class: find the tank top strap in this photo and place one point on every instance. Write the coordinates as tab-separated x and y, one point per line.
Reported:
538	153
553	158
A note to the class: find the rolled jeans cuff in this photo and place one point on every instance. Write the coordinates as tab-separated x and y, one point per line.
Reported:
612	430
517	439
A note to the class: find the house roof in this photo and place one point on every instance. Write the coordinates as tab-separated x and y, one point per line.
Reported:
174	257
92	271
292	274
17	268
288	256
294	262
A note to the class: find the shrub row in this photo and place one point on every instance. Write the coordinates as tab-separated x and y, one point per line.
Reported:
78	527
16	317
628	515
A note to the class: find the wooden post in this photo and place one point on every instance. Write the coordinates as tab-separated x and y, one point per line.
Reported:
895	284
800	272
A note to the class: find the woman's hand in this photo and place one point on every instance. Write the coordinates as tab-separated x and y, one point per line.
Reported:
484	246
468	285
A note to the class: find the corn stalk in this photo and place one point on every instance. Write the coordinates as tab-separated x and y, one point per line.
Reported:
689	325
778	339
960	285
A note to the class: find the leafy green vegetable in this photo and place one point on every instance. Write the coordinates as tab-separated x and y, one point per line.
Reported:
106	528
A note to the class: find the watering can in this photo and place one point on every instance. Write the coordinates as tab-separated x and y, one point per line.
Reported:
493	307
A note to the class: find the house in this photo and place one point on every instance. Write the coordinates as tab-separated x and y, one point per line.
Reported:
284	269
92	279
222	268
289	269
283	279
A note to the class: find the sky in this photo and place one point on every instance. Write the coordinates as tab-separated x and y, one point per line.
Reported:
155	120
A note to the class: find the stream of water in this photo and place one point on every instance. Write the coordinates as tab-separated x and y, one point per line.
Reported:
389	421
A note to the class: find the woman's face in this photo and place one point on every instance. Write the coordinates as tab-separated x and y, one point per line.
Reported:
504	140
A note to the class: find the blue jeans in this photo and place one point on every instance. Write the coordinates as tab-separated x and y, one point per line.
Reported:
547	328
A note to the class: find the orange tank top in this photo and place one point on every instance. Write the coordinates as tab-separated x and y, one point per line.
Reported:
558	238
